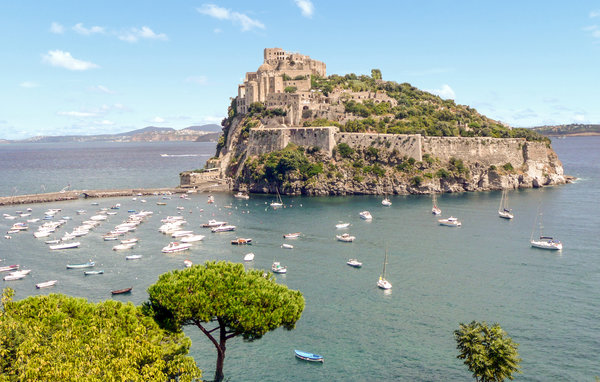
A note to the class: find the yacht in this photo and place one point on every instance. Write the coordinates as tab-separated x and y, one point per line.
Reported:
366	215
176	247
450	222
345	237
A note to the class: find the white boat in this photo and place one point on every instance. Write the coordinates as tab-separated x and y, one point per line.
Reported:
211	199
175	246
21	272
14	276
278	268
241	195
450	222
46	284
294	235
99	272
435	209
382	282
181	233
73	244
386	202
345	237
342	225
9	268
42	233
191	238
213	223
188	263
223	228
120	247
503	210
277	203
133	257
53	241
249	256
129	241
366	215
287	246
89	264
545	242
354	263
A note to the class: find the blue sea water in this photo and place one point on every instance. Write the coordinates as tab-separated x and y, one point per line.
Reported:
548	302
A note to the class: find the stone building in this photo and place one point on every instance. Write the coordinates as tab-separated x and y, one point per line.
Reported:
281	70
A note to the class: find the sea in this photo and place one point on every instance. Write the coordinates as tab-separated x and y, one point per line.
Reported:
548	302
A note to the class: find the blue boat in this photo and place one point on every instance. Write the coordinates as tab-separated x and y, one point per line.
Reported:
308	356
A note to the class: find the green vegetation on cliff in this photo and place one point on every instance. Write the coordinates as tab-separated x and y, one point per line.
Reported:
283	165
416	112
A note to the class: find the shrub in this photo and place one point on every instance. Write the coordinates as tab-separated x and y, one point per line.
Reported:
290	89
416	181
344	150
442	173
508	167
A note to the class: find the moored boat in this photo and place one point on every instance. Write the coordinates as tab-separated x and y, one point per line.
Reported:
287	246
120	247
242	195
386	202
366	215
213	223
346	237
89	264
294	235
187	263
223	228
191	238
175	246
450	222
354	263
241	241
9	268
88	273
46	284
133	257
121	291
249	256
308	356
278	268
342	225
73	244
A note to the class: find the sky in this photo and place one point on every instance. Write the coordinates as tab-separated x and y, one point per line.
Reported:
92	67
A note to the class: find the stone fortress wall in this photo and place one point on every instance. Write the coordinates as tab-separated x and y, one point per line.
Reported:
484	150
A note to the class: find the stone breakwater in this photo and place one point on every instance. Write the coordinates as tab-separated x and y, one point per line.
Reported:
78	194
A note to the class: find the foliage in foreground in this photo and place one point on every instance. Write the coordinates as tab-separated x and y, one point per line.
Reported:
61	338
239	302
489	353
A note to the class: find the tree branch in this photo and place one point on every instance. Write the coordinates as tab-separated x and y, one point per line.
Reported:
207	333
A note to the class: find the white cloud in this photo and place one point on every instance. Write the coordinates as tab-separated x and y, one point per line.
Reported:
65	60
102	89
134	34
579	117
445	92
105	122
306	6
236	18
56	28
79	28
198	80
595	13
158	120
28	84
78	114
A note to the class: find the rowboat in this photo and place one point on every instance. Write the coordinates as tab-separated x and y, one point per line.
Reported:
308	356
291	235
87	273
121	291
89	264
287	246
46	284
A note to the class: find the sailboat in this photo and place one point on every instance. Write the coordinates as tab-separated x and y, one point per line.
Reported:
279	202
545	242
503	210
382	282
435	209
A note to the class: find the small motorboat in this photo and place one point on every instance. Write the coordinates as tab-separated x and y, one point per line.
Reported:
287	246
188	263
213	223
354	263
133	257
278	268
342	225
129	241
121	291
249	256
53	241
89	264
46	284
181	233
386	202
308	356
120	247
88	273
14	276
294	235
9	268
223	228
366	215
241	195
241	241
345	237
450	222
73	244
175	246
191	238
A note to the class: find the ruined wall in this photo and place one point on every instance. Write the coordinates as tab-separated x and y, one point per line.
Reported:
487	151
409	145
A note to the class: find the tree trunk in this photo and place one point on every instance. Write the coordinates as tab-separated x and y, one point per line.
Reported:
221	351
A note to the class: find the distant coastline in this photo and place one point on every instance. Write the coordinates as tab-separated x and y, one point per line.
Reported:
572	130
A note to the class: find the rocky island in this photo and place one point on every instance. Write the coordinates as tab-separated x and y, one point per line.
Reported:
295	130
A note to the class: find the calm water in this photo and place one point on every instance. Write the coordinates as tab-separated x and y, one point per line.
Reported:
49	167
548	302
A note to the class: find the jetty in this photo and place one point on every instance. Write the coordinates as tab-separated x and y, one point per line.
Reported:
212	186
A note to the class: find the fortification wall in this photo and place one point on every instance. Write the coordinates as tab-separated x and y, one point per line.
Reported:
409	145
487	151
264	140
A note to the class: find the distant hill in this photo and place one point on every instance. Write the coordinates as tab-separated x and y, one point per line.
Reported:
568	130
204	133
